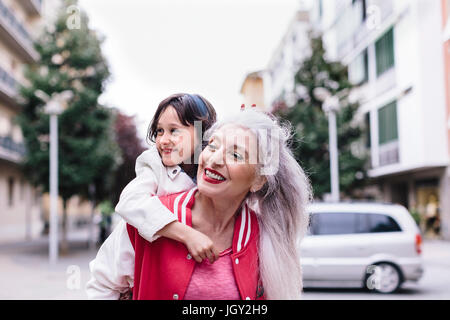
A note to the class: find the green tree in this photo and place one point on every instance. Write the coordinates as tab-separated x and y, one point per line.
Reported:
311	139
70	59
131	146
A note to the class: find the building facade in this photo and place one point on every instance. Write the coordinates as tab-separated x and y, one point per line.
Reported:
446	52
21	21
252	89
19	201
394	52
279	75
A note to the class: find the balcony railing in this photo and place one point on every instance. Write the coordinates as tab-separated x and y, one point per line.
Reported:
8	85
11	150
15	33
389	153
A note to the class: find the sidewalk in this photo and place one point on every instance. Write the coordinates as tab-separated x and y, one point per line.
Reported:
25	272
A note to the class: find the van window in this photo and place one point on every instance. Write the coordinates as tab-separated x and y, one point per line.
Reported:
351	222
382	223
333	223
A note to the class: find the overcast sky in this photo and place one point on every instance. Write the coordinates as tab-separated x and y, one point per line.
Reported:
160	47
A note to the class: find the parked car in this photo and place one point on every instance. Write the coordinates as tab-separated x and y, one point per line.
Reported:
371	245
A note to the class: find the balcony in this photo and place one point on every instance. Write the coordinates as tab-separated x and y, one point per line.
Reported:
32	7
13	33
10	150
8	86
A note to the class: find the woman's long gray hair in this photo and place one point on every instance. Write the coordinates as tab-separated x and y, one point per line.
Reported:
280	204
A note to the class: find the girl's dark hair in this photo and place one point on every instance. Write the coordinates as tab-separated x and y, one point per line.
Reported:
189	108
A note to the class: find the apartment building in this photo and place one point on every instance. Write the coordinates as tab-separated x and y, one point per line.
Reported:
19	201
394	52
286	59
446	52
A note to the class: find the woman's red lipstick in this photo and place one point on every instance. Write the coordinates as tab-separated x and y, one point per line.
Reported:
212	180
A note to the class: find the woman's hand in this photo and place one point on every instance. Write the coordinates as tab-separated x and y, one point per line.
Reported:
199	245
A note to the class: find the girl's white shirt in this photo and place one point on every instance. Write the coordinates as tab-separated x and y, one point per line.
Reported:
112	270
139	204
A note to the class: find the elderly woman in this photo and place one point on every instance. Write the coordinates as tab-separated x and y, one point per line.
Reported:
246	164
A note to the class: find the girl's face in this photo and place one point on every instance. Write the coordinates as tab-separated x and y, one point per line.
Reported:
227	166
174	141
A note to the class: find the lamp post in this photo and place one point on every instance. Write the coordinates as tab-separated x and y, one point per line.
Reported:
55	105
330	104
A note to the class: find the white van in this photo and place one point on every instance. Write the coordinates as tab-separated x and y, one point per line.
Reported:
371	245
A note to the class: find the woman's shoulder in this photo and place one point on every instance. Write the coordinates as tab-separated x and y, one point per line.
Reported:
253	208
177	200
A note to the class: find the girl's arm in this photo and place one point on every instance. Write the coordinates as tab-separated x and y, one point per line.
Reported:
112	271
138	204
140	207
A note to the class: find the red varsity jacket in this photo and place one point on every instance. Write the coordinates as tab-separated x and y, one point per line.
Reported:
164	267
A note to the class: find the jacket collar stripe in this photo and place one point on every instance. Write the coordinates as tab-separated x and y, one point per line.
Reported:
175	204
249	219
185	202
241	230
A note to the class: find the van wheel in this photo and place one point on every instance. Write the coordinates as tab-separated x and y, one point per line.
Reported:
383	278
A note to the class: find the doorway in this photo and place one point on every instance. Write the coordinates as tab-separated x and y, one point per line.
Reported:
428	206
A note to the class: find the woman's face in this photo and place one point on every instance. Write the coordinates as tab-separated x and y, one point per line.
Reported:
227	166
174	141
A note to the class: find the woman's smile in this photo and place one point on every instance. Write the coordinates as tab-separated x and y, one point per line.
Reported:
212	176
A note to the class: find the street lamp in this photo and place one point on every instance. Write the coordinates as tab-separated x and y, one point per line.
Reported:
330	104
55	105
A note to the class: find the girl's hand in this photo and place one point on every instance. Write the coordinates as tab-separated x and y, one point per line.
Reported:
200	246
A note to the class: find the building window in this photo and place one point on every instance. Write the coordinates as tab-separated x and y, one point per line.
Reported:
387	123
367	128
320	9
384	49
10	191
361	9
364	10
358	71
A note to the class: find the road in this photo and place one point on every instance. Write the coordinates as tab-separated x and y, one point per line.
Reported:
435	283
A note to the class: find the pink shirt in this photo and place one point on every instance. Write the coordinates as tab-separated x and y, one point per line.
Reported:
213	281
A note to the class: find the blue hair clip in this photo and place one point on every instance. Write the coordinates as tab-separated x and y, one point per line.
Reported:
200	104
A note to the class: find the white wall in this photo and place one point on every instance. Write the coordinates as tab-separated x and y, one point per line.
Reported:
407	65
432	81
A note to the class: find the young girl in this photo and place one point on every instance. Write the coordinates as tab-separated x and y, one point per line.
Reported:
168	167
